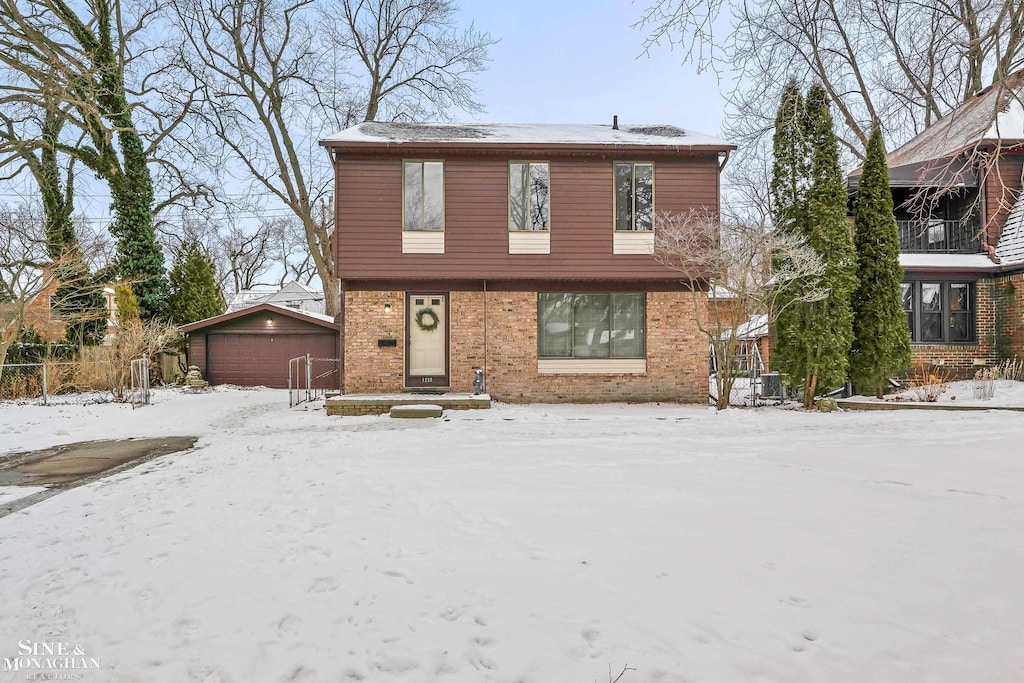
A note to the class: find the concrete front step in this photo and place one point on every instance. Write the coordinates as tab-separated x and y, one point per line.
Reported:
419	410
379	404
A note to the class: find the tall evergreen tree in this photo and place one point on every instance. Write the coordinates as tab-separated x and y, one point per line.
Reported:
789	166
881	343
814	338
789	205
830	326
194	291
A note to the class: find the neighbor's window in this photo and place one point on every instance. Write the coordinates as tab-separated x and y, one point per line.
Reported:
423	189
591	325
939	312
529	186
634	196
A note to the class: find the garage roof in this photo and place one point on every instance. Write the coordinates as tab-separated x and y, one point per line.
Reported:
307	316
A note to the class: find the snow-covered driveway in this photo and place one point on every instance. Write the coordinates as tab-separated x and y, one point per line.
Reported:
526	543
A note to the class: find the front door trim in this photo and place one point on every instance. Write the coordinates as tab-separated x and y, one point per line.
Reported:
430	382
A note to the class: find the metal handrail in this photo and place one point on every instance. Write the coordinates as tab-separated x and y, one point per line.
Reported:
939	236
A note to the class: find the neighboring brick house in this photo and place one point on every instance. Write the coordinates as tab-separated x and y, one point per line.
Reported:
960	215
521	250
41	317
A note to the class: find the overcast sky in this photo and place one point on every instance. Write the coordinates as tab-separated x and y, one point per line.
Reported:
557	61
581	61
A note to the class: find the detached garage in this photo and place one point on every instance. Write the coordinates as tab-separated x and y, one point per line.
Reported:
252	347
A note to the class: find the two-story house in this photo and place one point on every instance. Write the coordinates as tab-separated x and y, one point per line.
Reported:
524	251
960	215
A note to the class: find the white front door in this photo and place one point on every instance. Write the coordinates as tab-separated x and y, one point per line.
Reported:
426	357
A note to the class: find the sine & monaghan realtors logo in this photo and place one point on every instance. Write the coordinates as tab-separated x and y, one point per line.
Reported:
46	661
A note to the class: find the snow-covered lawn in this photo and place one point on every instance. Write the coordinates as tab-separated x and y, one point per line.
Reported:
526	543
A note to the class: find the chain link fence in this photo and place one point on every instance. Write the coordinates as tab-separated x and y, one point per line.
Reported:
47	379
751	384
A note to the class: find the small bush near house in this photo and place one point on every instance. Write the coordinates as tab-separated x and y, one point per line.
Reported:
927	383
135	339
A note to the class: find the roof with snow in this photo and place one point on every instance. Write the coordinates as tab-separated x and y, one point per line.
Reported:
1010	249
754	327
292	294
995	114
660	135
936	155
316	318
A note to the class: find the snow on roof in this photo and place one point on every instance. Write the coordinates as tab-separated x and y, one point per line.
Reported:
513	133
979	262
995	113
246	298
1010	249
720	292
294	294
311	314
754	327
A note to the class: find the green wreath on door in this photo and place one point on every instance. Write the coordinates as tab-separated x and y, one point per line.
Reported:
427	320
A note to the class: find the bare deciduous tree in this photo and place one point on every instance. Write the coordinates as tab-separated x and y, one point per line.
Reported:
95	80
902	63
416	63
278	75
259	64
751	269
23	275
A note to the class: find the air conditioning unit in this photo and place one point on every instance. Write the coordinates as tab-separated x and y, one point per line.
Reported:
771	386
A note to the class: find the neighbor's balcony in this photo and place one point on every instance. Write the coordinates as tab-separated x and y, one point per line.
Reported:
936	236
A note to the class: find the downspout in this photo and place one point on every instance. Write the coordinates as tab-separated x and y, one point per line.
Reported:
340	321
485	337
725	160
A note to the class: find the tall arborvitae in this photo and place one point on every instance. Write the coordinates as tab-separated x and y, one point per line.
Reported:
789	208
813	339
194	291
830	327
789	168
881	344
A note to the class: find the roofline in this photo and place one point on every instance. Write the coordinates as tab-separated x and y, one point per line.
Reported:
499	147
995	270
266	308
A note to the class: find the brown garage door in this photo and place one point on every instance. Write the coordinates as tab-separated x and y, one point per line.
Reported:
261	359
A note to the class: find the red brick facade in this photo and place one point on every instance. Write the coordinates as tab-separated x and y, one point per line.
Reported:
999	306
677	368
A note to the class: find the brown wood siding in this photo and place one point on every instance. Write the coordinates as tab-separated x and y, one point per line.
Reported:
197	350
1002	188
248	351
537	285
369	217
257	324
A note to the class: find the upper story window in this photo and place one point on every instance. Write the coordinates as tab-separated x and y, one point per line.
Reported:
634	196
529	188
940	312
423	195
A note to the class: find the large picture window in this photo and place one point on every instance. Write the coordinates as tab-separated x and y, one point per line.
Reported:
940	312
634	196
423	195
591	325
529	187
